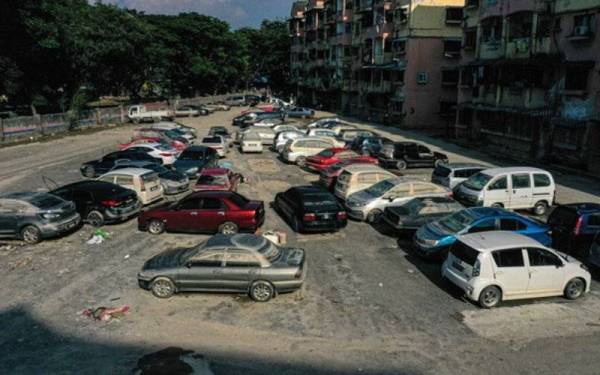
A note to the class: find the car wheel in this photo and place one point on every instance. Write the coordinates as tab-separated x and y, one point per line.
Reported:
301	161
374	216
490	297
228	228
31	234
261	291
156	226
136	121
163	287
88	172
95	218
401	164
437	162
540	208
575	288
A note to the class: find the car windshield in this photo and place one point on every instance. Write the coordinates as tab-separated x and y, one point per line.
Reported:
212	180
319	200
189	253
239	200
192	155
441	171
270	251
457	221
172	133
45	201
380	188
211	140
478	181
326	153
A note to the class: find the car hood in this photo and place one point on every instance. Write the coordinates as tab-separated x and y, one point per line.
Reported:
166	259
433	231
361	197
173	176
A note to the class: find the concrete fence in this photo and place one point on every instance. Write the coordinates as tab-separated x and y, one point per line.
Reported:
31	127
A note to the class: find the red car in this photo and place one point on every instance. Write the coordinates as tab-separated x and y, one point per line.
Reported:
328	176
177	145
331	156
218	179
223	212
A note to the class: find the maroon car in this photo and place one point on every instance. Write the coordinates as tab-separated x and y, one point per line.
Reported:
224	212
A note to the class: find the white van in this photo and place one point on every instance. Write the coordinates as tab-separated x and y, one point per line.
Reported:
356	177
496	266
144	182
511	188
297	150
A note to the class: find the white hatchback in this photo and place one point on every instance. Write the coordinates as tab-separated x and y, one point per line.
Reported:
496	266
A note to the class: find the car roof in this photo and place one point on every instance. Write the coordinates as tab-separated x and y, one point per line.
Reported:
308	189
214	171
130	171
464	165
210	193
497	171
582	208
241	241
197	148
354	168
24	195
93	185
497	240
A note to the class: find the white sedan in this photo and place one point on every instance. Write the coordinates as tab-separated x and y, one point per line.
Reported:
216	142
167	153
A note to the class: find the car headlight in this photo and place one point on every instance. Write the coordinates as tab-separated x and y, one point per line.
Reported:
50	216
192	170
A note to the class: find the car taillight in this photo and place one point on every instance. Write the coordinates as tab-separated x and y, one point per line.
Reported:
309	217
342	215
110	203
578	226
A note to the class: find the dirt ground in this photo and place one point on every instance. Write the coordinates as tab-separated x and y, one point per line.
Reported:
368	305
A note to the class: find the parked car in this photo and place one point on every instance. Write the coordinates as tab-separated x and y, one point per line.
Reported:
168	154
358	177
251	142
320	122
402	155
32	217
223	133
368	204
139	113
239	120
251	99
349	135
144	182
242	263
99	202
300	112
417	212
298	150
370	146
172	181
183	130
574	226
328	177
194	159
310	209
498	266
338	128
282	138
177	145
218	107
319	132
330	156
224	212
236	101
186	111
433	240
592	258
512	188
277	117
98	167
202	110
217	143
170	136
267	135
218	179
285	128
452	174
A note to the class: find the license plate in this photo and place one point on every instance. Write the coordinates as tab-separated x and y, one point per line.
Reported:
327	216
458	266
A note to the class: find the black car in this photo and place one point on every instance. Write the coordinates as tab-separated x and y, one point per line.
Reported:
418	212
101	166
310	209
252	99
100	202
402	155
172	181
195	158
574	227
369	145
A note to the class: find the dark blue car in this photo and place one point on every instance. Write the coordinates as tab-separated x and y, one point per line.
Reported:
433	240
195	158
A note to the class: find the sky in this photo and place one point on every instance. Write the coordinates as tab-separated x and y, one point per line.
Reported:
238	13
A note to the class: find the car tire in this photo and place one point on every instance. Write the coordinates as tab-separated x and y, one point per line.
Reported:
228	228
574	288
162	287
437	162
89	172
261	291
31	234
490	297
301	161
156	226
136	121
401	164
374	216
540	208
95	218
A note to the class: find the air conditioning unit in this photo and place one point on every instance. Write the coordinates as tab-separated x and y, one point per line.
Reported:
581	30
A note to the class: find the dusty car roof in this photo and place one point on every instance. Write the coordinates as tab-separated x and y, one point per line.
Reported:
353	168
463	165
497	171
241	241
497	240
214	171
130	171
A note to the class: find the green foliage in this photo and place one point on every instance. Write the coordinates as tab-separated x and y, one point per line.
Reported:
50	49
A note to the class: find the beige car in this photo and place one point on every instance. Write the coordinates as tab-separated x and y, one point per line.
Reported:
251	142
144	182
356	177
297	150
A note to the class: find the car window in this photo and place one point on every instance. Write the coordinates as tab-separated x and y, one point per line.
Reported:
521	181
190	204
511	224
483	226
499	184
423	150
541	180
124	180
110	179
508	258
540	257
212	204
209	259
240	258
465	253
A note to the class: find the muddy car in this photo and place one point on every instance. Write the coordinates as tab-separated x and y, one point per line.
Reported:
242	263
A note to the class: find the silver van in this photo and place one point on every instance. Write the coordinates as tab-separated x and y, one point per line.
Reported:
452	174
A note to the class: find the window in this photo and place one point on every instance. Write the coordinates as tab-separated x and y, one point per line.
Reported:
464	253
208	260
189	204
541	180
511	224
594	221
454	16
241	258
212	204
450	77
521	181
540	258
472	4
470	40
576	78
422	78
485	225
499	184
508	258
452	48
401	14
110	179
582	25
399	47
520	25
491	30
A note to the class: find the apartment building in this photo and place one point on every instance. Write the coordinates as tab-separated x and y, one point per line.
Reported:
529	79
389	61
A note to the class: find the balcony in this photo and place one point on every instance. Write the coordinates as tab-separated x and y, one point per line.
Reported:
491	50
384	58
519	48
544	46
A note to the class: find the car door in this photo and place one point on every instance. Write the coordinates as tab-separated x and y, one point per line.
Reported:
83	200
521	193
202	272
212	213
511	272
8	218
482	225
184	216
546	272
497	192
426	157
285	204
241	268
